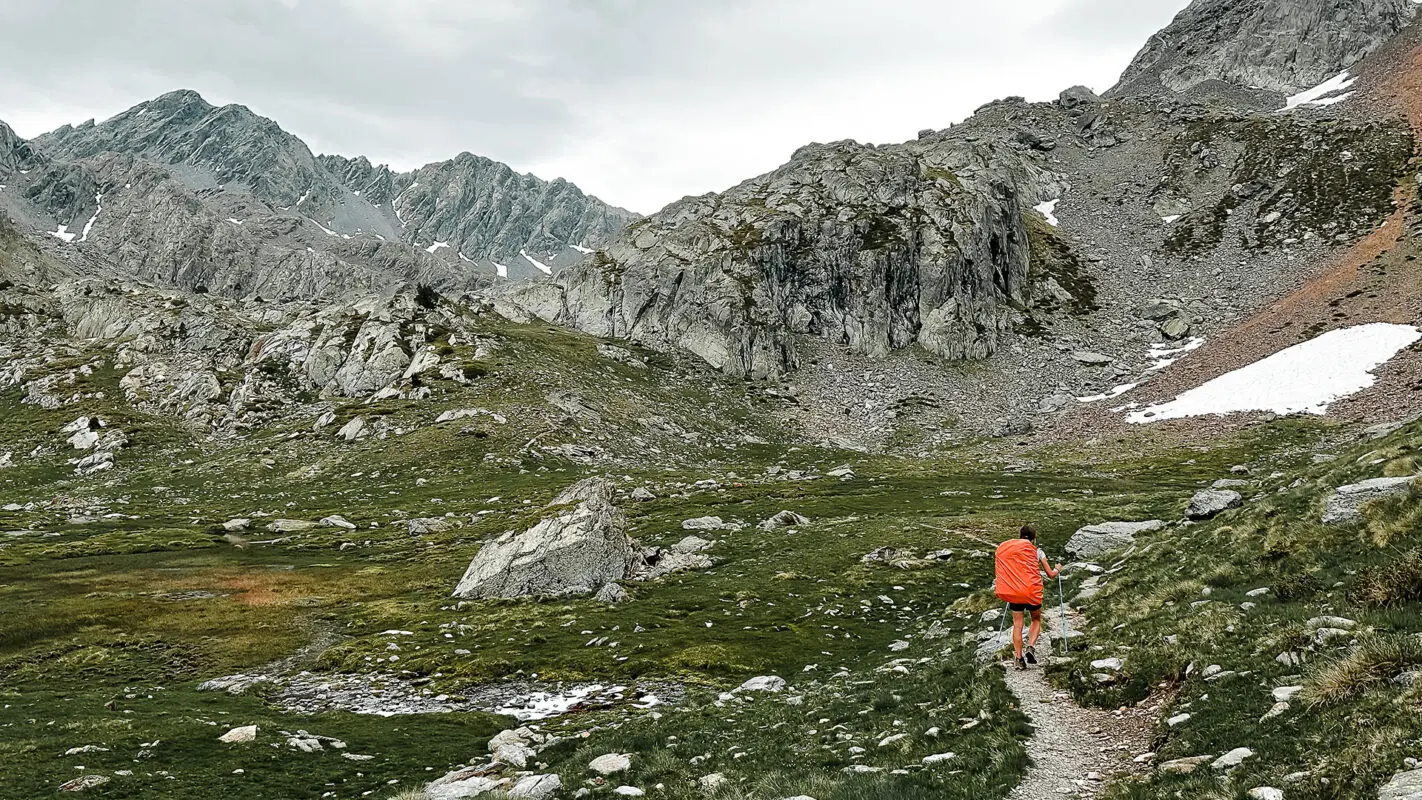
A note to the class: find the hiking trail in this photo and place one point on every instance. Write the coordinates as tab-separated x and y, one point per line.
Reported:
1075	751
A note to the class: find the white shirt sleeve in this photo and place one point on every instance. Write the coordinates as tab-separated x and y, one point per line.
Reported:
1041	555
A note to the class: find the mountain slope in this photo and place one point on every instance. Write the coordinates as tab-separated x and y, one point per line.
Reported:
469	214
1281	46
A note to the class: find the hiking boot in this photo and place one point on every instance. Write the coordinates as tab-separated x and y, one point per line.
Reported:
1031	656
1021	663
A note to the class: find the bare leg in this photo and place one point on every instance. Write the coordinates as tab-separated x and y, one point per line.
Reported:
1017	634
1036	629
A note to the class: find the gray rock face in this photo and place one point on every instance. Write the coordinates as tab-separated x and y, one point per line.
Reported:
577	550
1282	46
1093	540
1403	786
874	248
1345	507
1210	502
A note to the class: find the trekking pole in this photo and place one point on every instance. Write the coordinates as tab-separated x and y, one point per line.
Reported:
1061	600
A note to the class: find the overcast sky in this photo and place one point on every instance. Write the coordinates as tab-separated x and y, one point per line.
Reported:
637	101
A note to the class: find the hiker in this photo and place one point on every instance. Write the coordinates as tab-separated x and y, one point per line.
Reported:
1020	564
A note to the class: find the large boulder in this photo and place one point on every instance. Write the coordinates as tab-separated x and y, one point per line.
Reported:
1093	540
582	546
1346	505
1210	502
1403	786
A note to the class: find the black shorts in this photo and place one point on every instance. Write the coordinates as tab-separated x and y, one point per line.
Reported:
1024	607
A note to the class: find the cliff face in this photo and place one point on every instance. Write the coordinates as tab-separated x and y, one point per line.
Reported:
1282	46
875	248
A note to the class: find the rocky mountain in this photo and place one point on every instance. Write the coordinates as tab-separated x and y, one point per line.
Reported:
1279	46
181	193
298	499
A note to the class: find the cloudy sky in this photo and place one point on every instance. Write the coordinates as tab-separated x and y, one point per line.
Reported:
637	101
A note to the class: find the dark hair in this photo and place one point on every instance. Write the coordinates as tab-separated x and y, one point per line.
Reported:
1029	533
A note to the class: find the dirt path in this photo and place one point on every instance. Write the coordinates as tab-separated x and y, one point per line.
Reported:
1075	751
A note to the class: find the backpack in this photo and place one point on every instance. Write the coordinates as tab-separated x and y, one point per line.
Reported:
1018	579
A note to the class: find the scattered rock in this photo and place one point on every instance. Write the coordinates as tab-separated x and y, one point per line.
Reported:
785	519
1232	759
764	683
83	783
610	764
712	782
536	787
246	733
1403	786
290	526
352	430
1345	507
642	494
1184	766
424	526
708	524
1093	540
612	593
577	550
1092	359
338	521
1211	502
1266	793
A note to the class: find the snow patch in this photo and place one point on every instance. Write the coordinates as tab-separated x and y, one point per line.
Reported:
544	268
1048	210
1305	378
435	247
1170	220
1119	390
1166	355
1320	94
303	198
89	226
588	250
501	270
234	221
63	233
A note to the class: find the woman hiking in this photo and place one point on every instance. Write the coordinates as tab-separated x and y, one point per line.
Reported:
1020	564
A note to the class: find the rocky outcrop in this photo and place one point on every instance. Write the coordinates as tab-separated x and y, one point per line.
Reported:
1211	502
1345	506
873	248
1282	46
1093	540
578	549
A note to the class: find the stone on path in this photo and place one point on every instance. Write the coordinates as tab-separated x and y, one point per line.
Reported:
1266	793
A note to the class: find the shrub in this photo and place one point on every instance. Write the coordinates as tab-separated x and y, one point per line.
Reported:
1390	585
426	296
1373	662
1299	586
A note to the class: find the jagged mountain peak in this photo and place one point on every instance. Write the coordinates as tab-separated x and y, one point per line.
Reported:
1280	46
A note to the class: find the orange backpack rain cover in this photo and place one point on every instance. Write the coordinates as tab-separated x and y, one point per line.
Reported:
1018	580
